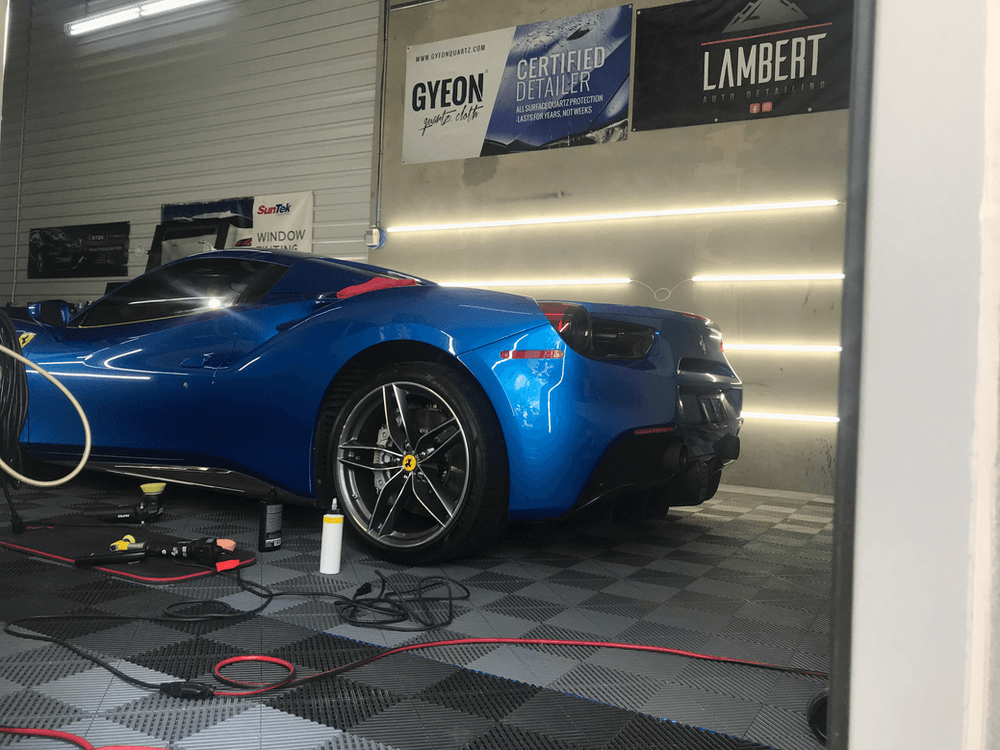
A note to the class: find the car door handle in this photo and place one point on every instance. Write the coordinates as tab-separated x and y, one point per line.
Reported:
198	360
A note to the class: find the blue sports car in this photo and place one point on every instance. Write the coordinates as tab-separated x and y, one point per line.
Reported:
432	415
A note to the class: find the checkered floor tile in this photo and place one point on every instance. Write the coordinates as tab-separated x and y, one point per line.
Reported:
746	575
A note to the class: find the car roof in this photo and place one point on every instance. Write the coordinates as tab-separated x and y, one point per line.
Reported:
291	257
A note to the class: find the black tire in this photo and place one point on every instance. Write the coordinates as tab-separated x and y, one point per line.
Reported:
417	461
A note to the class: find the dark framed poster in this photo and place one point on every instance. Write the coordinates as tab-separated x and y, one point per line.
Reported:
707	61
78	251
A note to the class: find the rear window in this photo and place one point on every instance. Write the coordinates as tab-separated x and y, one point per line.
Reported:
190	287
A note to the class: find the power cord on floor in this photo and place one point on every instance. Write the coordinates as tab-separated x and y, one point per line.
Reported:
68	737
390	605
13	413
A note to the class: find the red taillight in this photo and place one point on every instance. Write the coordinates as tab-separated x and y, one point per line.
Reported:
702	318
652	430
531	354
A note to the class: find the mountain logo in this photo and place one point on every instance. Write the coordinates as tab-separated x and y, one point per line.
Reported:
758	14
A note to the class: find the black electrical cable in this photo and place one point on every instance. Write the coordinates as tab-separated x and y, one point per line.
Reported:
392	605
381	605
13	414
34	636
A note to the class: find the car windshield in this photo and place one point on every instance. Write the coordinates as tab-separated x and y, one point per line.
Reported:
192	286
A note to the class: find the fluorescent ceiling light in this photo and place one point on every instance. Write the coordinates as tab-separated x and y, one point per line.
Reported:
102	21
164	6
782	348
126	14
535	282
614	216
774	277
790	417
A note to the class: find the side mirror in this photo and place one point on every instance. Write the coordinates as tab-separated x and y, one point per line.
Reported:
51	312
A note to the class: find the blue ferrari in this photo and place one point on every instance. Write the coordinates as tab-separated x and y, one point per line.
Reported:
431	415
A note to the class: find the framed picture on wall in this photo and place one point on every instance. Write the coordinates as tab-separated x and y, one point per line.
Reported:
78	251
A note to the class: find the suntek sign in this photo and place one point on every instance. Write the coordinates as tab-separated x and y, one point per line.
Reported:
280	208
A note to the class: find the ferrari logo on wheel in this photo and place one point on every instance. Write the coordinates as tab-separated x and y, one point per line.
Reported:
409	462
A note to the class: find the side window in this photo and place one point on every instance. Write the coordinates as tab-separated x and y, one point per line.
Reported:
185	288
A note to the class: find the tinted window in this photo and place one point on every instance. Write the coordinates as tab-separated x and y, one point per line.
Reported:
194	286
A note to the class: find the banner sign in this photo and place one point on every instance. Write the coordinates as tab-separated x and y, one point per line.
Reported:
706	61
283	221
266	221
78	251
544	85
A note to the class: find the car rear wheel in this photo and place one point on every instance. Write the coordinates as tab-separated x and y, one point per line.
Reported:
419	464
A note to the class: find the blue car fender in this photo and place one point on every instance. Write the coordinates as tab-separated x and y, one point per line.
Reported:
561	415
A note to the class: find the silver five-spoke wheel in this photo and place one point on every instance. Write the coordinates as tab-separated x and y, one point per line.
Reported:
418	463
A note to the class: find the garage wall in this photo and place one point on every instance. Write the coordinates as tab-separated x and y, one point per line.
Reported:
235	98
799	157
252	97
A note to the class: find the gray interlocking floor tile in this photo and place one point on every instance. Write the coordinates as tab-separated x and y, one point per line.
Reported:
745	575
699	707
95	690
263	727
524	665
101	731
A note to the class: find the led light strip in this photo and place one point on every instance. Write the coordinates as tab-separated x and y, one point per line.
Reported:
537	282
789	417
774	277
126	14
781	348
615	216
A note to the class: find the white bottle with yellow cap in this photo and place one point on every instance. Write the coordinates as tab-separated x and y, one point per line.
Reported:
333	540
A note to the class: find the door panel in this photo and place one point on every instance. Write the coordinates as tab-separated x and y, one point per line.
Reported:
145	387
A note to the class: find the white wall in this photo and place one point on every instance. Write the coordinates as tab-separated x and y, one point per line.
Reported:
927	481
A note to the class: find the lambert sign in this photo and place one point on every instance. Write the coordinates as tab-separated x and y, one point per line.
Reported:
710	61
